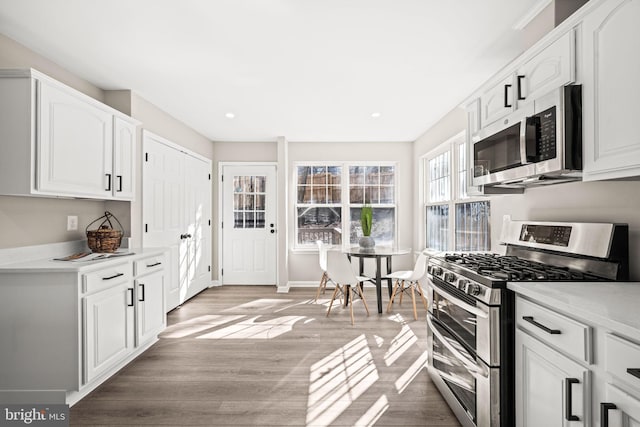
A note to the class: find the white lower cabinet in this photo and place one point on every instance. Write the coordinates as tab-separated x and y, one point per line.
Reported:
107	322
69	329
620	410
551	389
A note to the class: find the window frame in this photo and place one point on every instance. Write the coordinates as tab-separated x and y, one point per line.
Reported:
453	145
345	203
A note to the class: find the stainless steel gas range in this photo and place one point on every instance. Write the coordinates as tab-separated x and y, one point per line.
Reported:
471	312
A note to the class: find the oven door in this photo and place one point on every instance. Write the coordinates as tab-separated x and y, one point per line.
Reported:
474	324
471	388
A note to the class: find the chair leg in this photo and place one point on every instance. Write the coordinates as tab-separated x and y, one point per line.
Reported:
333	297
424	300
322	286
413	300
364	301
393	295
349	290
401	292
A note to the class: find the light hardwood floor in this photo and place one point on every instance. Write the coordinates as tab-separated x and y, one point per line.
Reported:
248	356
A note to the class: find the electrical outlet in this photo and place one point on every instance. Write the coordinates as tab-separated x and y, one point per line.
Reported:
72	222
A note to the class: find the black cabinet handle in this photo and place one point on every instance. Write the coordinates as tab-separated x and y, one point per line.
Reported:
130	304
520	97
568	382
634	371
119	182
113	277
541	326
506	96
154	264
142	292
185	236
604	413
108	182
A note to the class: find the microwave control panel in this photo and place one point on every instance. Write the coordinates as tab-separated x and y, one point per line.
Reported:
545	123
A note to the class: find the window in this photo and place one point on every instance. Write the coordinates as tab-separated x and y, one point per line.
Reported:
453	221
325	191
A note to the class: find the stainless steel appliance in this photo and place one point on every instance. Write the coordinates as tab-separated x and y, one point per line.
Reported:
471	313
539	143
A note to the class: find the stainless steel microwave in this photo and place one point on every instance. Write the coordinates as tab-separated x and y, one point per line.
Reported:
540	143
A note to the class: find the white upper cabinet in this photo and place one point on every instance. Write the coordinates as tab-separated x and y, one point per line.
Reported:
124	165
56	141
532	76
552	68
611	90
74	144
497	101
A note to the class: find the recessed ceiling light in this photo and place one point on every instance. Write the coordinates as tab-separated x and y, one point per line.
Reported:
229	115
375	115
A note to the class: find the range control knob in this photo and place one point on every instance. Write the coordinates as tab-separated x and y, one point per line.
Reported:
449	277
473	289
462	283
436	271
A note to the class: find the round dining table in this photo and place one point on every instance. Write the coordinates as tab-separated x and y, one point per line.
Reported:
377	252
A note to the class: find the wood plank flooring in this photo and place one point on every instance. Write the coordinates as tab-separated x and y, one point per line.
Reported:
248	356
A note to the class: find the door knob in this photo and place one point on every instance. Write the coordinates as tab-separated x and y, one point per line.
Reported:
273	231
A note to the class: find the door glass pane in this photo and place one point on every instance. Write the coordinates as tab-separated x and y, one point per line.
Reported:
246	201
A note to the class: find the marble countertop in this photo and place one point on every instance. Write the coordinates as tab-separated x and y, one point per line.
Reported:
614	305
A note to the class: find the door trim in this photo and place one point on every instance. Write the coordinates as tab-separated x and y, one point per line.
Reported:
221	166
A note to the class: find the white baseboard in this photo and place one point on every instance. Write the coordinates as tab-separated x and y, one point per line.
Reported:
312	284
215	283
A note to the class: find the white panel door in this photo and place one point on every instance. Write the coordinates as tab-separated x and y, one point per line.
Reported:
124	166
195	267
150	315
163	209
249	225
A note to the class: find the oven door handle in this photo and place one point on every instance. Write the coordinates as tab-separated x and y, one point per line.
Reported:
470	364
465	306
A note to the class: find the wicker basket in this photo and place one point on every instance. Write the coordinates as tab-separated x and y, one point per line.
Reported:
105	238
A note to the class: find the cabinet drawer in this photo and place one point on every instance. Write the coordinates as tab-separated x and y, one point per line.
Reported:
623	360
148	265
570	336
107	277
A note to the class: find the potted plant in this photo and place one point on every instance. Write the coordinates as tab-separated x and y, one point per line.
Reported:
366	221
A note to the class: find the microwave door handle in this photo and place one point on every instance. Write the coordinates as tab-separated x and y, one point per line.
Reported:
466	307
470	364
528	139
523	141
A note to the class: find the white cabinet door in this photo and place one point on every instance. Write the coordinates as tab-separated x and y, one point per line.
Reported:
124	149
107	322
550	387
497	101
611	91
150	314
552	68
626	409
75	145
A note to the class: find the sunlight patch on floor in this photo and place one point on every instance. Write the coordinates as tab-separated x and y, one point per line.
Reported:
197	324
252	329
338	380
260	304
412	372
374	413
400	344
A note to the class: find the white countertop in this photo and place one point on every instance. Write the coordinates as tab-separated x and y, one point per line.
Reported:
49	265
614	305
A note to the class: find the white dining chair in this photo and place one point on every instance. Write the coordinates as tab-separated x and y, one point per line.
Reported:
409	281
347	282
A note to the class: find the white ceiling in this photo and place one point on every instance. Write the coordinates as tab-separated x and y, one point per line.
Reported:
308	70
